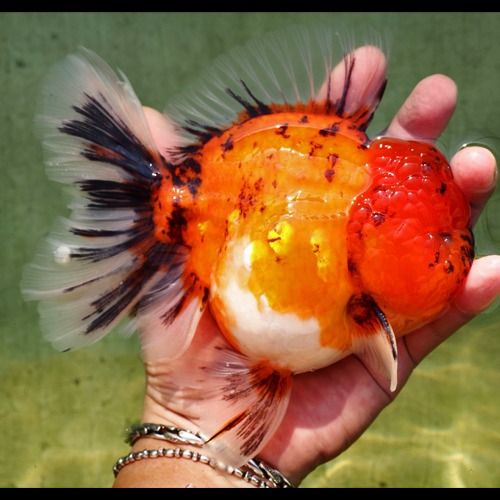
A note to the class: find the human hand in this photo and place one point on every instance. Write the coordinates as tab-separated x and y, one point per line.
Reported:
347	396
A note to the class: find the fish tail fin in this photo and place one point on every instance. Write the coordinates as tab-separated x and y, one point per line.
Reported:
105	262
235	404
374	341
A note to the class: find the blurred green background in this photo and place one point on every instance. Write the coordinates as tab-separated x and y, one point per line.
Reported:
62	416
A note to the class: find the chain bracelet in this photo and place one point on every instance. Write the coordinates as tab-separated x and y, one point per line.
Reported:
255	471
166	432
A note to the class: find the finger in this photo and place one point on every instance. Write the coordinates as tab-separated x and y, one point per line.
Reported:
426	111
366	79
480	289
476	174
162	130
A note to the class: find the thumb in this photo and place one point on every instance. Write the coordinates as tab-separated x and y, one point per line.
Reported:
163	131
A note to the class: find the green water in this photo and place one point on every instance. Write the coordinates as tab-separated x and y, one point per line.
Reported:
62	415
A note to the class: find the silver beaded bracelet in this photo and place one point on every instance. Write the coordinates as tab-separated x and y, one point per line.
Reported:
255	471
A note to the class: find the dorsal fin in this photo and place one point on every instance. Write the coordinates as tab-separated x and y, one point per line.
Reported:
300	68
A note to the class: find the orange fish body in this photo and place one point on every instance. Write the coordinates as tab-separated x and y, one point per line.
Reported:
306	240
298	215
266	230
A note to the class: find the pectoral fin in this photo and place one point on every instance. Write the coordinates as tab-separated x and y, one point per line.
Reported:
374	341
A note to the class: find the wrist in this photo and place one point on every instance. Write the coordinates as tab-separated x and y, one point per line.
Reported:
173	470
172	437
189	446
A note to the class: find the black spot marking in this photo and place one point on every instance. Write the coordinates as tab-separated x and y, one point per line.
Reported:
378	218
467	251
314	146
187	174
329	174
468	239
352	267
331	130
228	145
282	131
426	168
448	267
177	223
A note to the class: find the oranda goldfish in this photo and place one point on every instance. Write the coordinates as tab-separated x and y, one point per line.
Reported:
275	212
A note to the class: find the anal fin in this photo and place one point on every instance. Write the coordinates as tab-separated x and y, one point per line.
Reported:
234	403
374	341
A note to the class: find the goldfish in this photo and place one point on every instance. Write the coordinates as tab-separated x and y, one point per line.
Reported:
273	211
